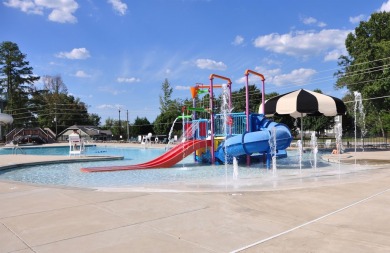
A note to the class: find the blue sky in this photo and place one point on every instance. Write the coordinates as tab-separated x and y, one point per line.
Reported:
116	53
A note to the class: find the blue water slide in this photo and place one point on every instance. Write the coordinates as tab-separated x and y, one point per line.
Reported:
257	141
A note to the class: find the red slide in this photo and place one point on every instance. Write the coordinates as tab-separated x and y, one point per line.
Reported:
166	160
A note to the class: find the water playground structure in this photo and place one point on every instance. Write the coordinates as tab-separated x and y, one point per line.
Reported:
222	137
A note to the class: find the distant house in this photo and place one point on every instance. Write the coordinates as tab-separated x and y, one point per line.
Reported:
86	132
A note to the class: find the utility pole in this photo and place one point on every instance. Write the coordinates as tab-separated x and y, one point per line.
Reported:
1	132
119	122
55	117
127	113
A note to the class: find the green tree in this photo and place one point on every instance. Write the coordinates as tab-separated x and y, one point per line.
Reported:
166	96
94	119
72	111
56	109
112	125
366	67
141	126
239	99
169	110
16	79
109	123
48	100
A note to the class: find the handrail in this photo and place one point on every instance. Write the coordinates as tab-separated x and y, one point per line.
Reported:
15	150
12	134
51	133
39	132
248	71
212	76
9	134
201	85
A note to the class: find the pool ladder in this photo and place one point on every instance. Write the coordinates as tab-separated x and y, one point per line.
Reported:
17	149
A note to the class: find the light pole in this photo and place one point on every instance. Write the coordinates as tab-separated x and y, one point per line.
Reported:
55	117
127	126
119	122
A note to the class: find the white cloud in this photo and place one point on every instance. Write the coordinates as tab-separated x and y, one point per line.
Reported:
303	44
82	74
269	61
385	6
238	40
128	80
269	72
25	6
61	11
107	106
253	79
181	87
334	55
321	24
297	76
276	77
309	20
313	21
75	54
210	64
118	6
357	19
108	90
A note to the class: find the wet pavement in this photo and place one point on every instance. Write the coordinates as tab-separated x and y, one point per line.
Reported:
343	214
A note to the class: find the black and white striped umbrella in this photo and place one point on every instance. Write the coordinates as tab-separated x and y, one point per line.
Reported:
303	102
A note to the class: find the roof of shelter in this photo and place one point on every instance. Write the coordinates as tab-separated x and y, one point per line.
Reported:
87	130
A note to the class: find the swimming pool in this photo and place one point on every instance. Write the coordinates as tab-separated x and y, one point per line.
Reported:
187	174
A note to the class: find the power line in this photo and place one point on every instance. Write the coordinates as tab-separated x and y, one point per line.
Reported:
365	99
314	81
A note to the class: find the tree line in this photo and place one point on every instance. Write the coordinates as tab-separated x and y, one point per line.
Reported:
50	107
364	69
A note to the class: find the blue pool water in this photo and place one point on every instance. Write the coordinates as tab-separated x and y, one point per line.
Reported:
64	150
187	172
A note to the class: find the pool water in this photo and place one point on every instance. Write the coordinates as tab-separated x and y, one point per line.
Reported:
187	173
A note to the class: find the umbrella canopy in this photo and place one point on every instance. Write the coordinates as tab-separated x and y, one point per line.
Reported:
303	102
5	119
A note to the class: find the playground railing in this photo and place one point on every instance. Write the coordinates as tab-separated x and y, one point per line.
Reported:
235	124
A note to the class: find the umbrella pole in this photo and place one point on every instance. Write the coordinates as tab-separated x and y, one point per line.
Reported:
302	130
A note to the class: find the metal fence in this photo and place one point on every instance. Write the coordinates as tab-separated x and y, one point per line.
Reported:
235	124
349	142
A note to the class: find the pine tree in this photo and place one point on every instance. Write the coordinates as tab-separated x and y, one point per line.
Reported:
16	79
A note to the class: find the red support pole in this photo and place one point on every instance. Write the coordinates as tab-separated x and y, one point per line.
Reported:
247	72
212	120
212	111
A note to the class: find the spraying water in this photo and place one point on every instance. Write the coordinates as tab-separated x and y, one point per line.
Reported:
314	149
359	119
339	143
235	169
272	146
300	151
225	110
170	139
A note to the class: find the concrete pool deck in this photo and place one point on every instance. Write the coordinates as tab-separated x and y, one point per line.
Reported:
341	215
